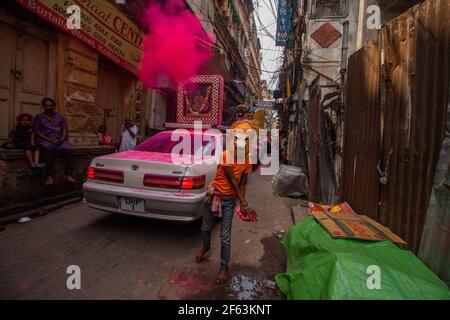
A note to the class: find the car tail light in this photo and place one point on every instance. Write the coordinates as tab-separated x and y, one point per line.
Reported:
190	183
174	182
105	175
162	181
91	173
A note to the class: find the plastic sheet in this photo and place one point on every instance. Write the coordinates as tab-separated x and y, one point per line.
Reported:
320	267
435	245
290	181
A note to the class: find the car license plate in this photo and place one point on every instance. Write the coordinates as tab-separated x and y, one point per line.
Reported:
132	204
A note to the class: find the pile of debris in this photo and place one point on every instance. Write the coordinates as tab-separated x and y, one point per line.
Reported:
290	181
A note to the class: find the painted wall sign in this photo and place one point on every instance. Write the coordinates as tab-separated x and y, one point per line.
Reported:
103	27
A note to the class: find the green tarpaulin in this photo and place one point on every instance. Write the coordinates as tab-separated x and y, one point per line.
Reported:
320	267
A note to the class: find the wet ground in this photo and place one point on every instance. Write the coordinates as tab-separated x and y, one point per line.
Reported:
247	281
123	257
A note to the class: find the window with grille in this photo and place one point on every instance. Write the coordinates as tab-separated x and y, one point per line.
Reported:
328	8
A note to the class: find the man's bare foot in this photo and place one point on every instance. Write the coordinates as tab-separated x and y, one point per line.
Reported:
49	181
222	278
70	179
201	255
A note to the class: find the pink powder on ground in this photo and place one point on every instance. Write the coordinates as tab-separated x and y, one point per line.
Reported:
175	43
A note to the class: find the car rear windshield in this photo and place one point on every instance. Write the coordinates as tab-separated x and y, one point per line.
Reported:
162	143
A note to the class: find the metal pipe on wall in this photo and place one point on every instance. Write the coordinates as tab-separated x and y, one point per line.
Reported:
344	56
360	24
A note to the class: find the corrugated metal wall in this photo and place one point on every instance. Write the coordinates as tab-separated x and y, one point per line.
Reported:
434	248
362	136
395	119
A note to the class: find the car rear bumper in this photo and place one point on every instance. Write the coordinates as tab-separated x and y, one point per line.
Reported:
163	205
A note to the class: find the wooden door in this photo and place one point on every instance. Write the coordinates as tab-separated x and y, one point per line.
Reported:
110	97
7	66
36	74
158	114
27	70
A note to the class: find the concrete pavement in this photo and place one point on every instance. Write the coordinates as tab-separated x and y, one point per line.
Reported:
123	257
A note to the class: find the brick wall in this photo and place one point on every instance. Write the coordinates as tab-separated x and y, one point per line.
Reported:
80	87
77	87
22	190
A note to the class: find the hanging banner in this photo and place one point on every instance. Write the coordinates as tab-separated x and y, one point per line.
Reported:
284	18
103	27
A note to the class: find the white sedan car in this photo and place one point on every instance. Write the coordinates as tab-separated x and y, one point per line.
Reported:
146	182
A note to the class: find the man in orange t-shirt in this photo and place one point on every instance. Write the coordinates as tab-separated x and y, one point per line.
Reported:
221	181
227	186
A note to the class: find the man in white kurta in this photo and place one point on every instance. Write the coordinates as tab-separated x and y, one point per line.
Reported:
129	136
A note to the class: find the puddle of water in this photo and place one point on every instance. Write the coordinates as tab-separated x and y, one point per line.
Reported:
247	287
247	282
244	287
197	282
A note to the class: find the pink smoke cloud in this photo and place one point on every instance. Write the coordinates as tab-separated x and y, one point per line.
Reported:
174	47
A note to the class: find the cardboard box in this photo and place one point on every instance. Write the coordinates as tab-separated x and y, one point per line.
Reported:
341	221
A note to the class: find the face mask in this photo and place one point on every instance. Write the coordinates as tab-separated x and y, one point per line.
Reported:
240	144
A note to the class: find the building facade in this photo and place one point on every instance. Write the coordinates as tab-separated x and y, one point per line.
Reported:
92	79
323	35
264	93
90	72
236	50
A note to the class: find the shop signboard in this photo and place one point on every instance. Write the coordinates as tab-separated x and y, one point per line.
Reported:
103	27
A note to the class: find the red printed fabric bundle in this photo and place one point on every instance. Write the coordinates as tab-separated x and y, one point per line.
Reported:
249	215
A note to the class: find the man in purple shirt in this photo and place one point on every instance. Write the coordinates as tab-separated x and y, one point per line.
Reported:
51	137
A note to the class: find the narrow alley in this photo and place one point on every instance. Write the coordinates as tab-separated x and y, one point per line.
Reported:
258	151
134	258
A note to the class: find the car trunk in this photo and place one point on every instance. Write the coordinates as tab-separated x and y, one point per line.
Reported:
137	165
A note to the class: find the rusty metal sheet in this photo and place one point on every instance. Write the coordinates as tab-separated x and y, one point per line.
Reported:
417	74
408	108
360	179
